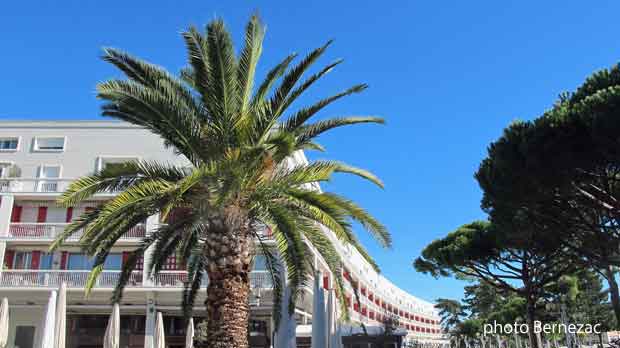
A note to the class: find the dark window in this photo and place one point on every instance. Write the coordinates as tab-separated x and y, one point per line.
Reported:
24	337
8	143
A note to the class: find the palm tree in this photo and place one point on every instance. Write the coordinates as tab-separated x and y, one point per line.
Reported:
238	141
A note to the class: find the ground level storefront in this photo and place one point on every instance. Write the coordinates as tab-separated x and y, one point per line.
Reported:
86	330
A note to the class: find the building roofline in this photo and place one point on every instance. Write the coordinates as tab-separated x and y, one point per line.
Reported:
26	123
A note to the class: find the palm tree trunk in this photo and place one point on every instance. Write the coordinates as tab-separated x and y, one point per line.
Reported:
228	292
228	312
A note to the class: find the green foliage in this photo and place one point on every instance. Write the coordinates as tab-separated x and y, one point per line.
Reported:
237	140
450	311
551	191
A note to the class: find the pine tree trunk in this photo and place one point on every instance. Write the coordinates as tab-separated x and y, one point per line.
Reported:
229	266
533	338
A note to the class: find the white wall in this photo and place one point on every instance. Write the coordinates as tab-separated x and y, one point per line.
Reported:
86	142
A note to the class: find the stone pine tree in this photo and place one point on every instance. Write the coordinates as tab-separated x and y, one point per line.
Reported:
237	137
451	313
505	259
560	172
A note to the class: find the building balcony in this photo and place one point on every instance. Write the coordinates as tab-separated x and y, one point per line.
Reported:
43	185
47	232
36	185
108	279
53	279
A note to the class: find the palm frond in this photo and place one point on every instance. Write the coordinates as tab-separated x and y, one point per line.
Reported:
272	76
300	117
295	93
221	97
160	110
248	60
309	132
292	250
290	79
198	54
276	271
322	171
195	275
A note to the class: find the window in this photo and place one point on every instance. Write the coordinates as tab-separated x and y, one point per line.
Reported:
46	261
9	144
260	263
109	162
50	144
170	264
22	260
24	336
48	172
51	172
83	262
5	169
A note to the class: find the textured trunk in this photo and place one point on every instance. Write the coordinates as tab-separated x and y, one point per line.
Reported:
228	312
228	292
613	291
533	338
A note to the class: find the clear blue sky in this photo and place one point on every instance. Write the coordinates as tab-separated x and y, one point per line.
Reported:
447	76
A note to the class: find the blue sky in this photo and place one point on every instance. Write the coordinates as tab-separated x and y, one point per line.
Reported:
447	76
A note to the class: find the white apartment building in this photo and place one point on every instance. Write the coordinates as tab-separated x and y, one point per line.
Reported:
38	159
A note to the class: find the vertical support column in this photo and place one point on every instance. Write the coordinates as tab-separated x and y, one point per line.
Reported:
149	327
151	311
6	209
151	226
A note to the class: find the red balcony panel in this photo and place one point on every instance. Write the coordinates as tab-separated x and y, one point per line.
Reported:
8	258
69	215
36	259
16	214
42	214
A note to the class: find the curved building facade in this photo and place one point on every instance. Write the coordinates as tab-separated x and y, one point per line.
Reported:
38	159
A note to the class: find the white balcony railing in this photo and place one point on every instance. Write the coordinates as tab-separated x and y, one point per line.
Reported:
34	184
49	231
43	185
258	279
53	278
107	279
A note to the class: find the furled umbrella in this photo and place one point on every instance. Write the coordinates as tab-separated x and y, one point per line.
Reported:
189	334
159	340
4	323
61	317
113	331
47	339
334	338
319	326
286	336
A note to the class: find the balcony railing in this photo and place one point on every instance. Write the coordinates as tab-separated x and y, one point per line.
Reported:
107	279
49	231
258	279
53	279
43	185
